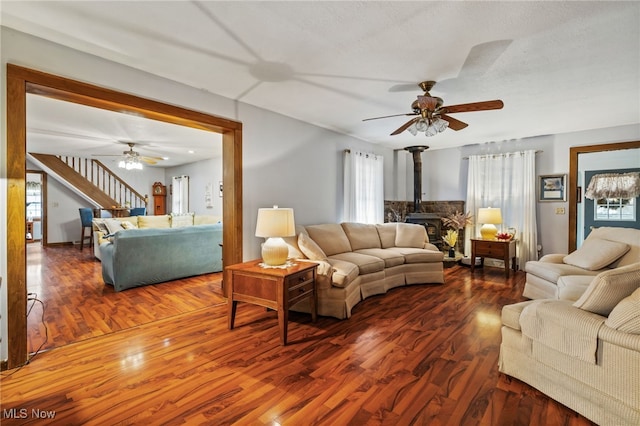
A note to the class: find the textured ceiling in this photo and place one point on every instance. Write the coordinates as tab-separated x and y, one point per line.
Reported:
558	66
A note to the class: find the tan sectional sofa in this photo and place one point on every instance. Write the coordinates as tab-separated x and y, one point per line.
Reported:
565	277
101	226
584	354
360	260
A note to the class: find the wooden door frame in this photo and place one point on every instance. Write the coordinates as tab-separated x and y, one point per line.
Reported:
20	82
43	208
574	152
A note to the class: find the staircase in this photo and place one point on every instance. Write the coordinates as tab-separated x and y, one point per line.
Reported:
93	179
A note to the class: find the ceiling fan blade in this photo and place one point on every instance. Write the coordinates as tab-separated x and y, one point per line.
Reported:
454	124
149	160
388	116
405	126
474	106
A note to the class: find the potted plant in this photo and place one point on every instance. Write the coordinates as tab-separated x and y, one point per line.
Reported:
455	222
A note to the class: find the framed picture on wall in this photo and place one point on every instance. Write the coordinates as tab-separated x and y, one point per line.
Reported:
552	187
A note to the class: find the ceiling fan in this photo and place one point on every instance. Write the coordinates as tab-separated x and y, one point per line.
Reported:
132	156
432	115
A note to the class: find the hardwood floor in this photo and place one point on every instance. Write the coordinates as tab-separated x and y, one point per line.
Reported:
423	355
79	305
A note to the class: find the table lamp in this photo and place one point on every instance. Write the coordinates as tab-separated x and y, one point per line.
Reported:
273	224
489	218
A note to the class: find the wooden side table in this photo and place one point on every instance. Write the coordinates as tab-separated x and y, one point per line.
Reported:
274	288
494	249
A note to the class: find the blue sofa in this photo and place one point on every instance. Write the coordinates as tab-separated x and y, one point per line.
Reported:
139	257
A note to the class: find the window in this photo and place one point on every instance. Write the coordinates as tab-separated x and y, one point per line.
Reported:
612	209
363	187
34	195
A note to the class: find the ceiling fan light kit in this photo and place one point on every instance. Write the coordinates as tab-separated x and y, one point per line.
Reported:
130	163
433	115
132	160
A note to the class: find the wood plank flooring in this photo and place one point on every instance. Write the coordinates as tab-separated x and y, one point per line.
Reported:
418	355
79	305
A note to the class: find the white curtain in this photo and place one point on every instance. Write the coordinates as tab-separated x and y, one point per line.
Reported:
180	194
507	181
363	187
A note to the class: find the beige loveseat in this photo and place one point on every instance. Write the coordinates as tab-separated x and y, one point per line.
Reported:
106	226
583	354
360	260
565	277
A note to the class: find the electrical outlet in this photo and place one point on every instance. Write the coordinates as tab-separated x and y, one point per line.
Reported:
559	210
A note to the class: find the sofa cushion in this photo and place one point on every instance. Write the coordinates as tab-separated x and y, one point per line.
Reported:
417	255
629	236
292	244
511	314
310	249
596	253
100	225
626	315
330	237
204	219
553	271
160	221
113	225
179	220
366	264
387	234
557	325
608	288
344	273
391	258
571	287
362	235
128	225
411	235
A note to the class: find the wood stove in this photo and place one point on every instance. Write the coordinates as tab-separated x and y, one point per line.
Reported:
431	221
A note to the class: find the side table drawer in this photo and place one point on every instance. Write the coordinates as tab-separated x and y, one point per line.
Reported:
489	252
300	286
300	292
295	280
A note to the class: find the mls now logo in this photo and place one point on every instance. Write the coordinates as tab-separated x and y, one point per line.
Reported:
15	413
23	413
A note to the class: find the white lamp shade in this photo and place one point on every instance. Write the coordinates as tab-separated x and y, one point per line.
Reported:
489	215
275	222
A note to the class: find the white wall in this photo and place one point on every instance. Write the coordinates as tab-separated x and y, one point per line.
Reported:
201	174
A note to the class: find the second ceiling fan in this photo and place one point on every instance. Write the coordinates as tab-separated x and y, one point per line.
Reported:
432	116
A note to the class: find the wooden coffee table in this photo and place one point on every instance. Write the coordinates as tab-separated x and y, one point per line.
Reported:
274	288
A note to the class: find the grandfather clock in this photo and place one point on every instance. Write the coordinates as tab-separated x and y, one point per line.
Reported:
159	198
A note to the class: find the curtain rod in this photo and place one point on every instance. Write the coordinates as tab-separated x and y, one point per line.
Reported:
501	153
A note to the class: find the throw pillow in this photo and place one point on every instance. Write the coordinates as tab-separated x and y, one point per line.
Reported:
160	221
626	315
113	225
310	248
179	220
411	235
102	227
608	288
128	225
596	253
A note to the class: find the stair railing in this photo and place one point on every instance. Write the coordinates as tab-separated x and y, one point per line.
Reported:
107	181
